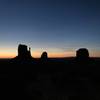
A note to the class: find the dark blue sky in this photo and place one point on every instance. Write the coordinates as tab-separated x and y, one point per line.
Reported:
52	25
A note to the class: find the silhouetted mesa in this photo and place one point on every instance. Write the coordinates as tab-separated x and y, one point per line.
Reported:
82	53
24	54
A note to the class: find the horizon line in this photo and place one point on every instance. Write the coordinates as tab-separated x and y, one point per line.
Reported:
50	57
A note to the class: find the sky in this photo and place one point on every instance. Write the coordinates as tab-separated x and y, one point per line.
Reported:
59	27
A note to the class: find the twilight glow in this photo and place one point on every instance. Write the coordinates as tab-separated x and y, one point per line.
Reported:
59	27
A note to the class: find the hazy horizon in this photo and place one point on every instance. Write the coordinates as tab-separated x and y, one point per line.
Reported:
51	54
59	27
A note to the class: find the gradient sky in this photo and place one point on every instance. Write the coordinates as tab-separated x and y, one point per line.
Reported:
59	27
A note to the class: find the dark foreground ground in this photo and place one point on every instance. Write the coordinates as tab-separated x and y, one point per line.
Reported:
52	79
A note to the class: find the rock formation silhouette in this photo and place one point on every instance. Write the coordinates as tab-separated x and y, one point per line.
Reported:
82	53
24	54
44	55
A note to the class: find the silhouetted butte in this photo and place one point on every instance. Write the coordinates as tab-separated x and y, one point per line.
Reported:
82	53
24	54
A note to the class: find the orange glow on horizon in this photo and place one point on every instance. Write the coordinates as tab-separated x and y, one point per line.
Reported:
54	54
95	54
37	54
7	55
60	54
